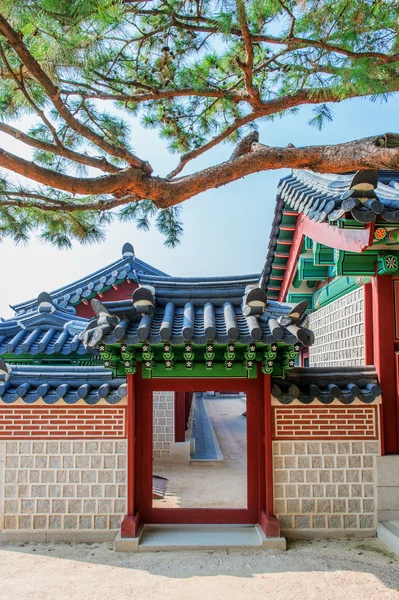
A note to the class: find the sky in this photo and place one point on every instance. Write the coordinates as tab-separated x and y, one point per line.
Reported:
226	231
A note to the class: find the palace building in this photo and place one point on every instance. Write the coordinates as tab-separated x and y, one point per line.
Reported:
103	380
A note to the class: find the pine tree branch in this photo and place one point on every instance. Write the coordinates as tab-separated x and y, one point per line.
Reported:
156	94
377	152
22	88
178	21
60	150
15	41
248	65
75	185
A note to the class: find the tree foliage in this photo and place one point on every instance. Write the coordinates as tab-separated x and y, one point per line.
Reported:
201	72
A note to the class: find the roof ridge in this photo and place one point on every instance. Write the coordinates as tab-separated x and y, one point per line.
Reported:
62	295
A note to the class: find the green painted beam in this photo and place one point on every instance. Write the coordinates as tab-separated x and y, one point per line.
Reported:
340	286
322	255
307	270
294	298
199	370
353	263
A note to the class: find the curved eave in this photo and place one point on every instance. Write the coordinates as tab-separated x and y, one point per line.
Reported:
89	286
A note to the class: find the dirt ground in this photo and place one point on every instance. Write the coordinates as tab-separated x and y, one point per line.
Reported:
222	486
318	570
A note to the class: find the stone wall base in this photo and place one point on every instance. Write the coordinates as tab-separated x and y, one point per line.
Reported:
327	534
10	536
387	468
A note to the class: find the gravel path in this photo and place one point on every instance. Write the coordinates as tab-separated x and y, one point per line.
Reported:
319	570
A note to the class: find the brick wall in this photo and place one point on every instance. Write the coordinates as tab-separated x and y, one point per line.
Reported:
65	485
326	422
324	485
339	332
163	424
22	422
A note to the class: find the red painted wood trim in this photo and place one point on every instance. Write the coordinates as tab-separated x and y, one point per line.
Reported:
290	267
148	514
396	305
261	434
138	439
202	384
384	357
269	507
352	240
131	521
267	519
180	416
196	516
368	324
130	432
130	526
122	292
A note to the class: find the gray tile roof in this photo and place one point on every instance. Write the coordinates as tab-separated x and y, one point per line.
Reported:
208	312
273	240
321	197
60	384
326	384
195	309
126	267
46	330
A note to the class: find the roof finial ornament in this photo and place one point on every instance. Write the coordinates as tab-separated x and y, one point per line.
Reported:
128	250
45	303
293	323
144	300
254	301
361	194
5	370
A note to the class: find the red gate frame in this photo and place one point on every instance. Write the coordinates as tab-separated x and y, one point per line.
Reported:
139	427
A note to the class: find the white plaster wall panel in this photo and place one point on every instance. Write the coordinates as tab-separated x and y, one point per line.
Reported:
163	424
65	485
339	332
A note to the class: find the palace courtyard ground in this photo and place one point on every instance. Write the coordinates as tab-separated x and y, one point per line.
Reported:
322	570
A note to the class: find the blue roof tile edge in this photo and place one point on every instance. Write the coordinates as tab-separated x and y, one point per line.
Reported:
61	385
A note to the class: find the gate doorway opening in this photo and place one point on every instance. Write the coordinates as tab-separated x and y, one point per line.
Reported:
208	469
227	509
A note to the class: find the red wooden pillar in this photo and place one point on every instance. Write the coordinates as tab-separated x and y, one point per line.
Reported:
384	358
130	522
180	416
268	520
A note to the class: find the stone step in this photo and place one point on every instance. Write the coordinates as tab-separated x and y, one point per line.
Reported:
388	532
158	538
